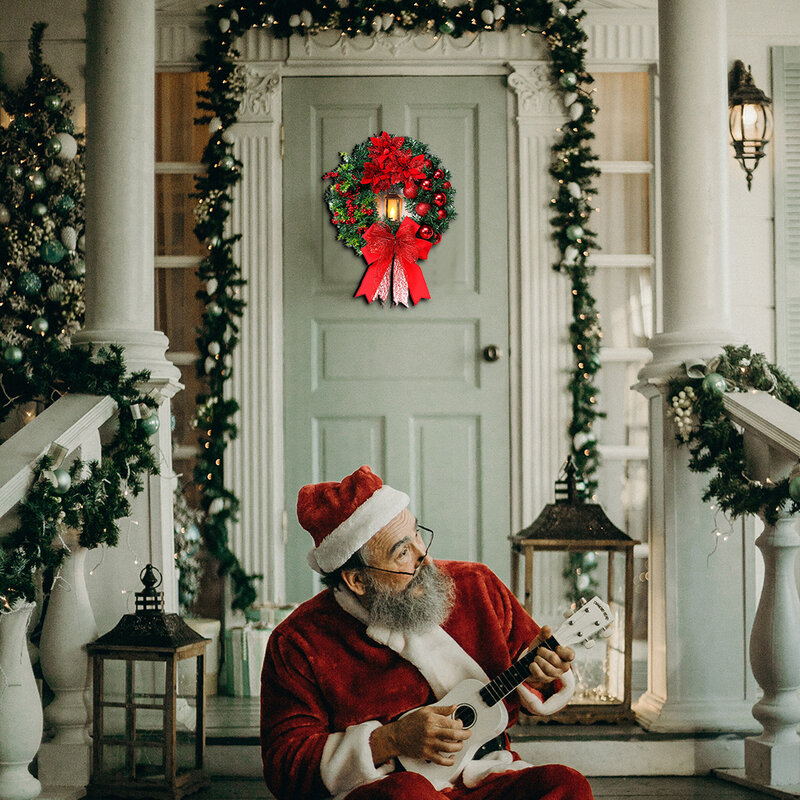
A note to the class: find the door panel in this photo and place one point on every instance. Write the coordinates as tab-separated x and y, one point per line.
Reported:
403	390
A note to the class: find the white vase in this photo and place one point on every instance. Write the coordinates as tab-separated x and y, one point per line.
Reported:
20	707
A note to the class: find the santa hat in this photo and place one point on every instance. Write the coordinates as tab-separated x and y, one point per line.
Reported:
341	517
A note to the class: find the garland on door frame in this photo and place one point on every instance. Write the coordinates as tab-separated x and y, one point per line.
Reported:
715	443
572	168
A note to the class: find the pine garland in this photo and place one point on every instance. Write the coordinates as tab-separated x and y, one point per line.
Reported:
716	445
572	168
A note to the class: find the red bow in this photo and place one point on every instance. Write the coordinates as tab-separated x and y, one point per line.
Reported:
394	258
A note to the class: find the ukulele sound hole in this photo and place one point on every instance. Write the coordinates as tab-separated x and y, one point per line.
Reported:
466	714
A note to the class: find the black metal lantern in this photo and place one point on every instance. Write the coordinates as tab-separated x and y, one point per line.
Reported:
592	556
749	119
149	703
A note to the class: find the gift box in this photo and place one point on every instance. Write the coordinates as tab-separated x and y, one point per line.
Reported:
245	647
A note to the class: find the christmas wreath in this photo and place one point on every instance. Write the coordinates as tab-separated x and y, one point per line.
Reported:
715	443
391	200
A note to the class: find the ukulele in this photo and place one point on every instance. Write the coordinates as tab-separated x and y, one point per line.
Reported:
478	705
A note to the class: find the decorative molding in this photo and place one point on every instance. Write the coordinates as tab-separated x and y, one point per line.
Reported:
536	94
261	90
629	37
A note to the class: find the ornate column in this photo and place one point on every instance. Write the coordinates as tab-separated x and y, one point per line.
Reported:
539	307
120	274
689	689
254	461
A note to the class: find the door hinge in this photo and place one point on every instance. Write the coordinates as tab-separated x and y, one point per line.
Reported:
282	137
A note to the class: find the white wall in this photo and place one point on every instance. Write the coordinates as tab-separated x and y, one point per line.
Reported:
754	26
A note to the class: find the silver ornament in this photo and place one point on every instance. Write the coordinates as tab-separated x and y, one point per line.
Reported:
56	293
69	147
388	21
69	237
214	348
487	16
211	285
499	11
227	136
294	21
377	23
82	243
5	215
224	25
306	18
214	125
570	98
575	190
576	111
54	173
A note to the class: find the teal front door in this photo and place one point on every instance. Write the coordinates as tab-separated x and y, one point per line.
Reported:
406	390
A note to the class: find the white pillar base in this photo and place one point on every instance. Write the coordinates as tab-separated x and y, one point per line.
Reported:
655	714
671	350
65	765
144	349
772	763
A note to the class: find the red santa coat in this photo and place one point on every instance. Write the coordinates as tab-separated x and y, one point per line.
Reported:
328	681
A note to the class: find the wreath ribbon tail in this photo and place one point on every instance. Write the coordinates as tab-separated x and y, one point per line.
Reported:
417	287
374	283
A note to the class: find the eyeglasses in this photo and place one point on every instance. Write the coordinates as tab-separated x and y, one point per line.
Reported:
427	535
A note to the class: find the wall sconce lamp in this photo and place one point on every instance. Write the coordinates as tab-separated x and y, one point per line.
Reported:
749	119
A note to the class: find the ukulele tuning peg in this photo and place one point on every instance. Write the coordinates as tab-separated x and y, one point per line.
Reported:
583	601
607	633
589	644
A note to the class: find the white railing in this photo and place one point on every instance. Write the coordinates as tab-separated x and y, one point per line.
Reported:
772	448
73	424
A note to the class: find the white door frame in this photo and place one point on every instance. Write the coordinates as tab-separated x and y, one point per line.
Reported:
539	306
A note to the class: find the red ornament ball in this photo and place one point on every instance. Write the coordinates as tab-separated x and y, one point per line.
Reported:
427	163
441	213
410	190
422	209
446	185
426	185
438	175
437	237
440	198
425	232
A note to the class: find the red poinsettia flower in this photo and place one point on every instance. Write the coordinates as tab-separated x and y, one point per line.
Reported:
383	146
377	176
409	167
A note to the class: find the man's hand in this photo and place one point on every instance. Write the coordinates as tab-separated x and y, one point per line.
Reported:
548	664
429	733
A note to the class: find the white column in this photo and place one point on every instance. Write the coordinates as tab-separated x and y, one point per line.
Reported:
539	306
700	605
694	182
120	301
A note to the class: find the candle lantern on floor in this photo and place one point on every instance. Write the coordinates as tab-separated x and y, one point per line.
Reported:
586	555
149	703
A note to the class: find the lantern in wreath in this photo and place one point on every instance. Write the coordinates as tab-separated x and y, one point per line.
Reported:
149	703
593	556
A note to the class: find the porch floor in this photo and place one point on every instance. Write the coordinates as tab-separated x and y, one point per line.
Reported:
628	788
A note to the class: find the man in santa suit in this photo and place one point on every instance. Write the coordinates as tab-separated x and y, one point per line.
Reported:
395	631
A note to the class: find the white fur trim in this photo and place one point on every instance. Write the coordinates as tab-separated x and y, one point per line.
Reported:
477	770
347	759
344	540
533	704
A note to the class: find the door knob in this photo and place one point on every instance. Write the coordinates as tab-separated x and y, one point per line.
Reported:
492	353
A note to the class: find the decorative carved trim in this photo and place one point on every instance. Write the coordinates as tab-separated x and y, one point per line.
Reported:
536	94
260	92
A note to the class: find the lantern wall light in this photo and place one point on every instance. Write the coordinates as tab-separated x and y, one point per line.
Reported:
749	119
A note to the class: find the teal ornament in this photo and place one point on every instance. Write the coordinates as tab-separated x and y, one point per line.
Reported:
714	382
52	252
60	479
66	126
5	215
56	293
227	162
14	172
447	27
40	325
52	102
35	182
574	232
568	80
214	309
589	559
150	424
29	283
38	209
64	204
172	422
78	269
583	582
794	488
53	146
12	354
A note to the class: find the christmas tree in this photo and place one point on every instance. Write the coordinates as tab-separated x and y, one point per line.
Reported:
41	229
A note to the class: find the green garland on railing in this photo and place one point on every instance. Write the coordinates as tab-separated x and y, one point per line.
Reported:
716	444
89	497
572	167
